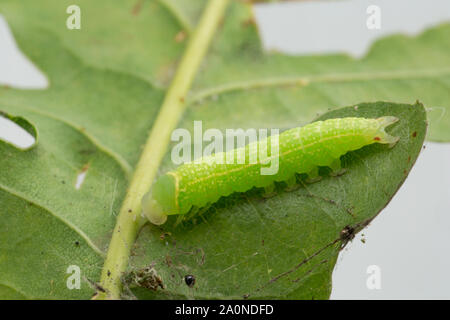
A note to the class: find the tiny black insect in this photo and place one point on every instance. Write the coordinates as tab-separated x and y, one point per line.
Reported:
190	280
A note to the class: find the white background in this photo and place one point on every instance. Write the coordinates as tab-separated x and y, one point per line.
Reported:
410	239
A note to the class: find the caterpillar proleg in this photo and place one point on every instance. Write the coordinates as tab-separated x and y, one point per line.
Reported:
301	150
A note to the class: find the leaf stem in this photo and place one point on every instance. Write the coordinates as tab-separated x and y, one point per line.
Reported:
129	219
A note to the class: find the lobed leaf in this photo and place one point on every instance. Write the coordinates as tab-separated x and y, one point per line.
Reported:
107	81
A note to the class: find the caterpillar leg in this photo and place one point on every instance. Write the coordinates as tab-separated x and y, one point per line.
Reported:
180	219
313	176
269	191
292	183
336	168
189	215
202	211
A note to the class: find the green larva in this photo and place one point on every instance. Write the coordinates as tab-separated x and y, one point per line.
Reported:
301	150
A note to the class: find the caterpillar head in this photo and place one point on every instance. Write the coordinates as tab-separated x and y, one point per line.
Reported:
381	136
153	210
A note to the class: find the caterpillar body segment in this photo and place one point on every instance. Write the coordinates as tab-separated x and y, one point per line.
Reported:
300	150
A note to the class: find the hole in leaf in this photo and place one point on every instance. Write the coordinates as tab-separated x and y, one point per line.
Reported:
16	69
17	131
81	177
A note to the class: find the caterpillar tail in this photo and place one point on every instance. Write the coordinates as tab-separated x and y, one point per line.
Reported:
153	210
381	136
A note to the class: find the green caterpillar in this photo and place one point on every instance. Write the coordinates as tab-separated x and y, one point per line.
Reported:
300	150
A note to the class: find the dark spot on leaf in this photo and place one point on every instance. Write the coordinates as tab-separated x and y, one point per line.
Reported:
347	234
377	138
87	151
85	167
248	22
169	261
164	235
77	243
414	134
137	8
180	36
